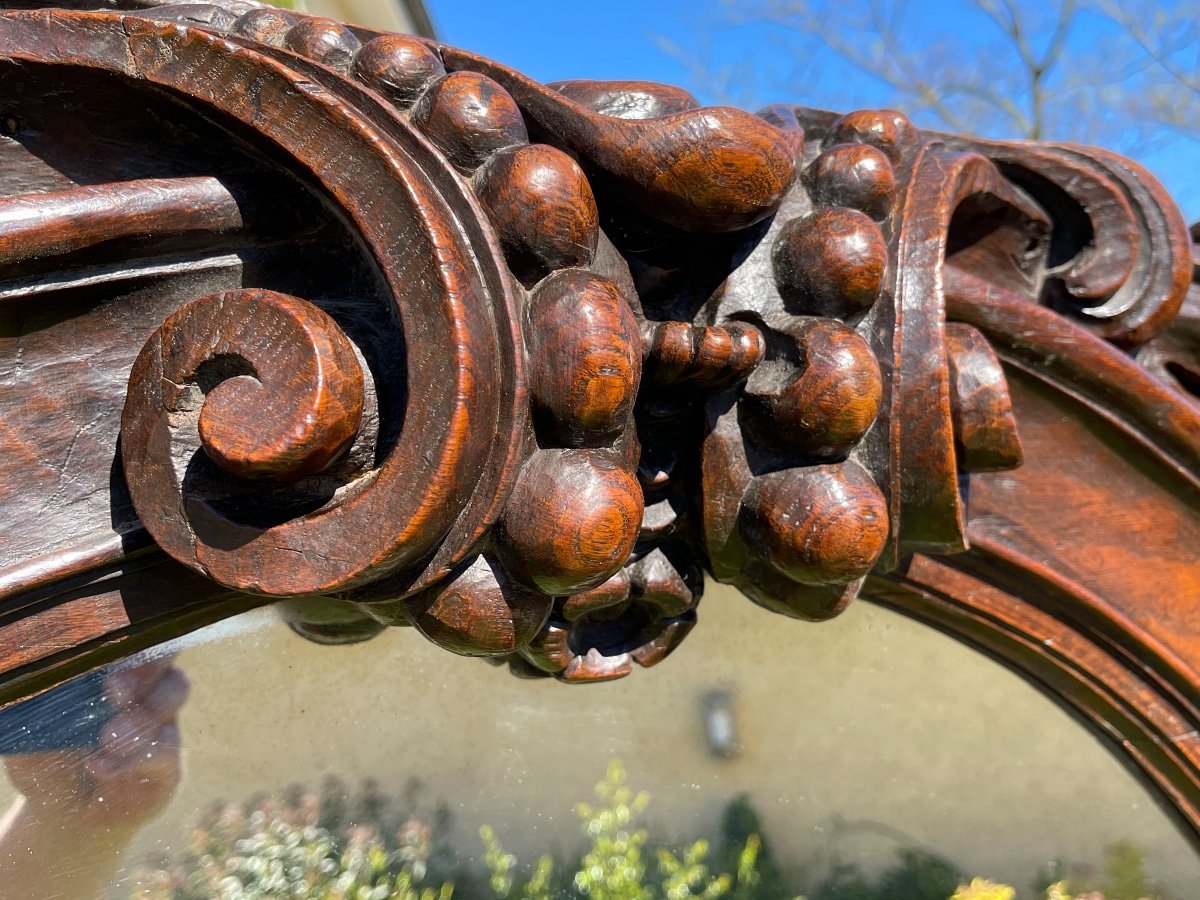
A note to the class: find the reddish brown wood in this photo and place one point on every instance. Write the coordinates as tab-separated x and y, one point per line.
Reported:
316	322
884	129
1133	288
329	43
571	520
282	395
823	403
67	221
831	263
1172	354
469	117
985	432
79	622
821	525
707	355
717	169
858	176
437	447
542	207
628	99
399	67
268	25
585	361
479	611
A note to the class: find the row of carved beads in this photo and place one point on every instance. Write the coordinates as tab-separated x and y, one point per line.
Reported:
537	197
574	513
576	510
811	520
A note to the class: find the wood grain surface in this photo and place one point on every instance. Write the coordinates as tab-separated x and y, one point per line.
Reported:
387	333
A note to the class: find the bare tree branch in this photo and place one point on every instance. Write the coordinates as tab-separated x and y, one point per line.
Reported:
1109	70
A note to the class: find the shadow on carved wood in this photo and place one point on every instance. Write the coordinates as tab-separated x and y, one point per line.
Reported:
388	332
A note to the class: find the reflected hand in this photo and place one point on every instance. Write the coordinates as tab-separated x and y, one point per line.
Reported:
128	779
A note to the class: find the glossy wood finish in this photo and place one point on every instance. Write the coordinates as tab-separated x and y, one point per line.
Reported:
388	333
66	221
235	345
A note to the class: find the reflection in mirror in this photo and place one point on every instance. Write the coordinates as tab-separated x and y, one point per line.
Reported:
92	762
868	758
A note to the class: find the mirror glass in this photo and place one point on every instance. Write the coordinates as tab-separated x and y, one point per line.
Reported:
867	757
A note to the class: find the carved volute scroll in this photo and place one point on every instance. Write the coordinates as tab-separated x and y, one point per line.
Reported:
388	333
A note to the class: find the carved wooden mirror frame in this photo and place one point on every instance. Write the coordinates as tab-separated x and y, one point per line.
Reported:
389	332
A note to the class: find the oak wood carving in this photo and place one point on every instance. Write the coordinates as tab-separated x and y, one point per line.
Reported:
390	334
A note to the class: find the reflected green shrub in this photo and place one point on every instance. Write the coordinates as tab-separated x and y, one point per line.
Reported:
326	845
332	845
621	861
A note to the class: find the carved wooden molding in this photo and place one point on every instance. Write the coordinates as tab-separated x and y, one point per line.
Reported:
384	330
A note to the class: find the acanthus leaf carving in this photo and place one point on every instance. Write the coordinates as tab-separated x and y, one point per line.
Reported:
624	338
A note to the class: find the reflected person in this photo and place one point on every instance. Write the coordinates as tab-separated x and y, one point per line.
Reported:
94	761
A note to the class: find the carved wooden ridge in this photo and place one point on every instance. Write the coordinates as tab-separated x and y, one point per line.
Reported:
383	329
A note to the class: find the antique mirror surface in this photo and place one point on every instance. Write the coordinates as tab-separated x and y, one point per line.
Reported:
867	750
322	346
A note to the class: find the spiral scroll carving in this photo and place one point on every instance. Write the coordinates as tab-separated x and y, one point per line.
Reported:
1122	267
593	540
265	385
613	339
284	389
293	432
383	333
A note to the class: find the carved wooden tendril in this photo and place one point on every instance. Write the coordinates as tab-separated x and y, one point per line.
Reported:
615	338
804	382
304	386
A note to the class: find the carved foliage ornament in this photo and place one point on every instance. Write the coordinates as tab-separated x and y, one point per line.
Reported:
411	339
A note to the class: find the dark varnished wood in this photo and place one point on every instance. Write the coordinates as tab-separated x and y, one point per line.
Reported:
469	116
543	210
627	99
858	176
480	611
817	526
72	220
831	263
821	398
431	454
399	67
329	43
571	520
710	355
716	169
985	431
585	359
387	332
236	347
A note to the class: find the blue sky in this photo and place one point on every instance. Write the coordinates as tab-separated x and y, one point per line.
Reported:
557	39
550	40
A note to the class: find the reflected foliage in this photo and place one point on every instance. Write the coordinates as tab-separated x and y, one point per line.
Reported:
332	845
620	862
374	848
919	875
327	845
